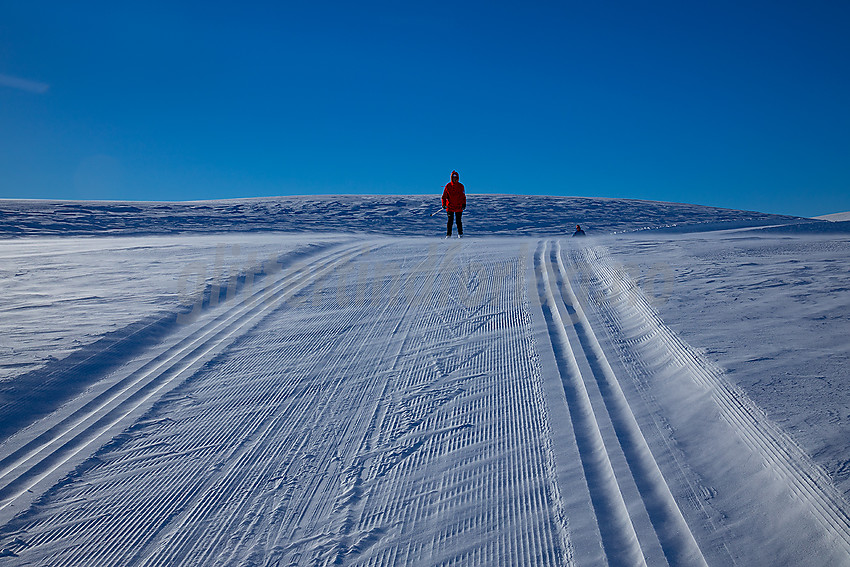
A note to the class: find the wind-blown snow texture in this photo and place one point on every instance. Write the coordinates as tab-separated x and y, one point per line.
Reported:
252	391
406	215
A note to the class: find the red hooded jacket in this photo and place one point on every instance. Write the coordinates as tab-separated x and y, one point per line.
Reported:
454	198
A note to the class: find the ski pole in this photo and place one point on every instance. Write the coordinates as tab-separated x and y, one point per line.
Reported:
437	211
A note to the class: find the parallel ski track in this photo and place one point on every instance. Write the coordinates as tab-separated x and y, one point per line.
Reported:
606	431
248	471
48	451
446	437
315	462
780	452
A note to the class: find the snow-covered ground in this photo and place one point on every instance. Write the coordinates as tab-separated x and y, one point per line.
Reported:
773	312
835	217
209	386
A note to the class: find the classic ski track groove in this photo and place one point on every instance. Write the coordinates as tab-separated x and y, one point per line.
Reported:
808	482
585	371
27	465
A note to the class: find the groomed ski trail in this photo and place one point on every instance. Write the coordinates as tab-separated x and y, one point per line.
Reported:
403	401
374	420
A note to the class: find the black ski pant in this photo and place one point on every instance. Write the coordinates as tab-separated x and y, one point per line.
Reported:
455	216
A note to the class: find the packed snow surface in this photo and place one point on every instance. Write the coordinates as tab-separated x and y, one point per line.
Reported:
326	381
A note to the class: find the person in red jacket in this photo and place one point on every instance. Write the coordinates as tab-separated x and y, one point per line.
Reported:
454	201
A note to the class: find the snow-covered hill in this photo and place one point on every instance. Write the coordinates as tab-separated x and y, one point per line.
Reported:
835	217
323	381
486	215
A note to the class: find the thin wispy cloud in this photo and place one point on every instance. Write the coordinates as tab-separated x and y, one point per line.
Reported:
23	84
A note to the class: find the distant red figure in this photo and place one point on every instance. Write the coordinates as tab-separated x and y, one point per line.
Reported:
454	201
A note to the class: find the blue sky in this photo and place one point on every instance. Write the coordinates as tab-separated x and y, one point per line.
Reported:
734	104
